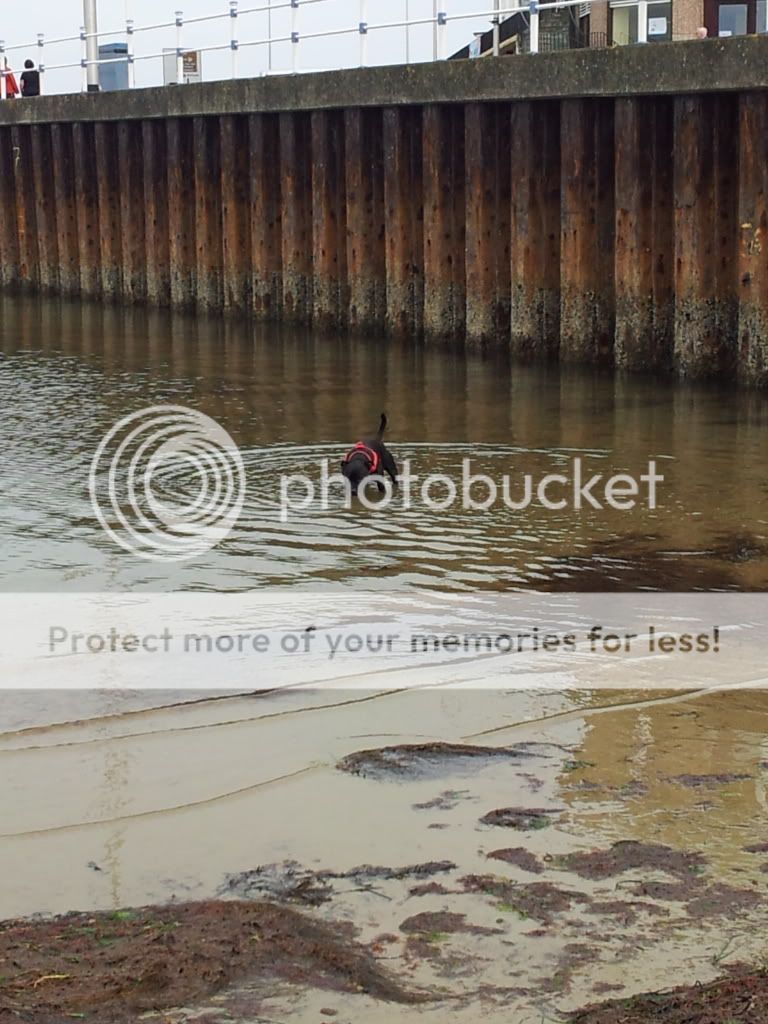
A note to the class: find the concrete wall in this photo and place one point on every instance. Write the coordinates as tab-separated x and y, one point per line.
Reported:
618	224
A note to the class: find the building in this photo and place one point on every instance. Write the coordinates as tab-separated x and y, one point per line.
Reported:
679	19
615	23
114	75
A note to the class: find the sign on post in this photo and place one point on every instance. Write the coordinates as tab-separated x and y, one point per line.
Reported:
192	63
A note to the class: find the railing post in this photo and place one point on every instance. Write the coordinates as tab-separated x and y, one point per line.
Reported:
3	86
442	22
235	42
131	54
533	8
434	30
269	36
496	22
91	16
179	50
363	33
84	57
41	61
407	33
642	21
295	35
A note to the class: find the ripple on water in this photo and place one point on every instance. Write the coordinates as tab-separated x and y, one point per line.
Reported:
68	373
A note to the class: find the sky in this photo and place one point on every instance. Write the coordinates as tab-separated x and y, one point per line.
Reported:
21	23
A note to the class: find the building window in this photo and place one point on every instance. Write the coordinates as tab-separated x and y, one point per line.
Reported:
623	25
735	17
732	20
624	22
659	22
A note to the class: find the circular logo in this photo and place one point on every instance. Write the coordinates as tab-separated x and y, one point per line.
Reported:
167	483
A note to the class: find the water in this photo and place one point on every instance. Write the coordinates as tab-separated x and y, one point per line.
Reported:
68	372
109	800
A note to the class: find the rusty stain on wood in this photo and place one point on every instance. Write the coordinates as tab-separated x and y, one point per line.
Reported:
265	216
132	217
753	239
587	232
364	183
296	180
595	230
487	175
208	221
87	201
404	220
181	218
644	258
235	213
706	235
329	242
156	229
9	264
109	209
26	212
535	230
444	224
45	192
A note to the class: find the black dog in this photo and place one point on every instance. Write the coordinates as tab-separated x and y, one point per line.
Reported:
369	457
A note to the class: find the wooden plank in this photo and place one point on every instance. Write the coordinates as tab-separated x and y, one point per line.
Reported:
535	230
444	223
134	277
296	215
182	258
87	200
587	302
109	208
235	214
366	259
265	216
404	215
156	228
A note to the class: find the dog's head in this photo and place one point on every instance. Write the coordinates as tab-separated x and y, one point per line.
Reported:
356	469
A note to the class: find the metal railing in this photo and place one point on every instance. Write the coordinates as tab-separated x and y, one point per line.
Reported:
239	17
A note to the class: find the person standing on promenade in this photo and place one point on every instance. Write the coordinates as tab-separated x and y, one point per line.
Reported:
30	79
11	86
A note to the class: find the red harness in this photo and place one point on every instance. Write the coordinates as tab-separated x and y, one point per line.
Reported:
369	453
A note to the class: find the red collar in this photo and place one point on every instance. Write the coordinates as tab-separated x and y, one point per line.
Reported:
369	453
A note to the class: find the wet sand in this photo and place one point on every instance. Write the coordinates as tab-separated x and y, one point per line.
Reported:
244	798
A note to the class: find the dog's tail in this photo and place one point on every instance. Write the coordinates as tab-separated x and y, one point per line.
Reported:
382	425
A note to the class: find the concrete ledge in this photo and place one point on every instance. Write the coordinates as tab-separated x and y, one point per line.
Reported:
717	65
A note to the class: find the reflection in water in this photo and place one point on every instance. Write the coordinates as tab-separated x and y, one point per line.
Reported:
68	372
689	774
